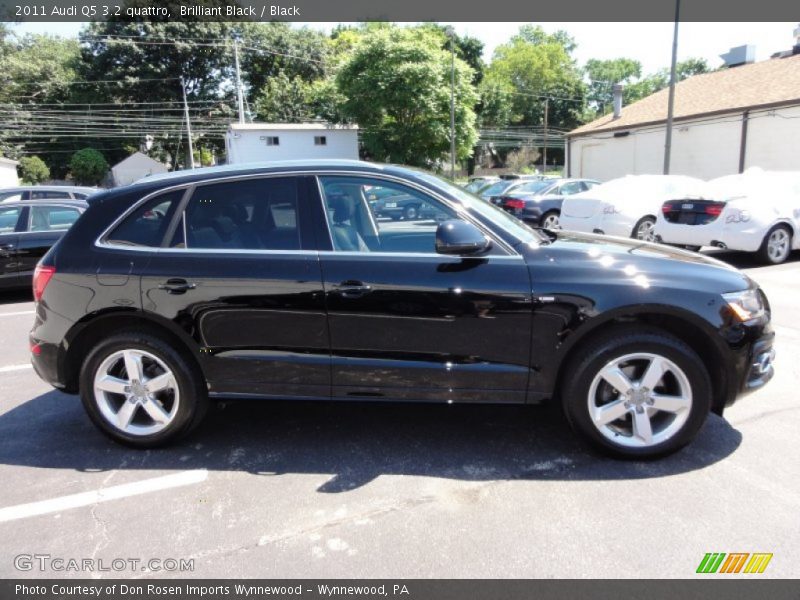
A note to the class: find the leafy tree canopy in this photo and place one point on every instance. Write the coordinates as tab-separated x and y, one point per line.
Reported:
88	167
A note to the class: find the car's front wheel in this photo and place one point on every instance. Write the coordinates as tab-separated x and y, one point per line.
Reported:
140	391
777	245
637	393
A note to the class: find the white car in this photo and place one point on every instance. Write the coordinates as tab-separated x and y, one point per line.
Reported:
757	211
628	206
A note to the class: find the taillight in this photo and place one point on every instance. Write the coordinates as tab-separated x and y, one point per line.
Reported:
667	207
515	204
715	209
41	277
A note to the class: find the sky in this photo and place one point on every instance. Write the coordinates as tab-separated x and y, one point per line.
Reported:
649	43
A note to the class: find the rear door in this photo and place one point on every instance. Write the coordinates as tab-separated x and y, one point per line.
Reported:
11	220
408	323
239	272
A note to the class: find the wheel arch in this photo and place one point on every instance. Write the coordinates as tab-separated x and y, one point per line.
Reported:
687	327
92	328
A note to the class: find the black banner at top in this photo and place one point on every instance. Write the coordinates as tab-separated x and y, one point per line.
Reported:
399	11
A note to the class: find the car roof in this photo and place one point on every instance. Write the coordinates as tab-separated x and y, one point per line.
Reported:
70	202
49	188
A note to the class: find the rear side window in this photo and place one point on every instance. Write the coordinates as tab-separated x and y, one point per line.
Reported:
8	218
52	194
147	225
252	214
52	218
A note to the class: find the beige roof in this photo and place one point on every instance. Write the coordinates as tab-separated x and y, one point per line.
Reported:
766	83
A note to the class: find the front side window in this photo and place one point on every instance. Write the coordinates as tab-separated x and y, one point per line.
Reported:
52	218
8	218
371	215
251	214
147	225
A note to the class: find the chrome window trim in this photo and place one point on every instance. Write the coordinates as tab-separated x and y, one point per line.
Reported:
316	173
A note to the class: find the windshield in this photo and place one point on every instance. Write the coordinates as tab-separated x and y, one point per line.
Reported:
498	216
497	188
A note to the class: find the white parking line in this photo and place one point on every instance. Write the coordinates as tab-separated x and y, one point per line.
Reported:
10	368
23	511
16	314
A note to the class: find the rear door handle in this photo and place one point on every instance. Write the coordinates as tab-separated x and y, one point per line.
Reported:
177	286
353	289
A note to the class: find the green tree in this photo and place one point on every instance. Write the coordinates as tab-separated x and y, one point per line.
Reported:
397	88
660	79
88	167
284	100
32	170
603	74
534	66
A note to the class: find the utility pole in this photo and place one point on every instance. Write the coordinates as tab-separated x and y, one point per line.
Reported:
452	105
544	158
239	95
671	105
188	124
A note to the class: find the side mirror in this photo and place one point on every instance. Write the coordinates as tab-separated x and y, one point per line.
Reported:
459	237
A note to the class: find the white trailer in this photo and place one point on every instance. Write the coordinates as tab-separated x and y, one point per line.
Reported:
259	142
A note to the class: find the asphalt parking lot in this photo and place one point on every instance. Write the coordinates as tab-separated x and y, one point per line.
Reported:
332	490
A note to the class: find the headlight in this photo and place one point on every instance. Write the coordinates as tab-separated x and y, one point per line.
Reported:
746	305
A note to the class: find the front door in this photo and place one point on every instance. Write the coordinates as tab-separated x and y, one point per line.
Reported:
408	323
11	220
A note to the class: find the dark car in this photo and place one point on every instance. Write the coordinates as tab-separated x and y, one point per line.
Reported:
277	282
492	193
540	206
389	203
27	231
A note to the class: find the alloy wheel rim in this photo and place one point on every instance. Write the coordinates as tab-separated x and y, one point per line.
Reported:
551	222
136	392
778	244
411	212
645	231
639	400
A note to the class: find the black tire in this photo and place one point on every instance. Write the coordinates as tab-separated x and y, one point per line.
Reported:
585	366
193	394
692	248
549	214
764	251
646	219
411	212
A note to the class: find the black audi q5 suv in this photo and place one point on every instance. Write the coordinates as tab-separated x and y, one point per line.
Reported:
278	281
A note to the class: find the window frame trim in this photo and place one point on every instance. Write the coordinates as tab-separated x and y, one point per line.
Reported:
100	241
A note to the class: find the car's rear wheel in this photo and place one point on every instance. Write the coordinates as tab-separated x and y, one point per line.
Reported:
644	229
550	220
140	391
777	245
637	394
411	212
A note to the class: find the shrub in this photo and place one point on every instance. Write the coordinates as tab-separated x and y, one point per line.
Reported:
32	170
88	167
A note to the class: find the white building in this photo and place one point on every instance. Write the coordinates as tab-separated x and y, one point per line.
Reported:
724	123
8	172
257	142
135	167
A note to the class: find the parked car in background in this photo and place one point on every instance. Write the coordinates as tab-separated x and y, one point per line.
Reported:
628	206
28	228
393	204
757	211
46	192
275	281
477	183
540	206
506	185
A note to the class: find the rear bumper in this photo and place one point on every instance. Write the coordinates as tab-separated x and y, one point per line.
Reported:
717	233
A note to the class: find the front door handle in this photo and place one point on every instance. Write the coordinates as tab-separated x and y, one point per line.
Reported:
353	289
177	286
